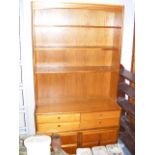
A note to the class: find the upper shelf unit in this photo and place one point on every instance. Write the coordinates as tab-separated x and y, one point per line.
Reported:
71	15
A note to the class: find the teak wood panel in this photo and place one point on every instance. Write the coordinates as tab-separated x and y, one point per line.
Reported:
74	57
77	51
69	141
72	36
77	17
114	85
55	118
69	138
109	136
41	5
99	137
75	105
57	127
106	122
99	115
82	84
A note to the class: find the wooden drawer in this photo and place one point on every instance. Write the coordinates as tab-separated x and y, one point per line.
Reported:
57	127
100	115
106	122
55	118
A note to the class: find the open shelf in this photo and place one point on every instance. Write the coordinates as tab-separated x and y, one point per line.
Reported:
62	69
60	47
69	105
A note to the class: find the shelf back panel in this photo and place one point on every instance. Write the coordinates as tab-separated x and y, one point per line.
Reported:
81	84
74	57
86	17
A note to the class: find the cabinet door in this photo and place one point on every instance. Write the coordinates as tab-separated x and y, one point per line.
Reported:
90	138
69	142
108	136
99	137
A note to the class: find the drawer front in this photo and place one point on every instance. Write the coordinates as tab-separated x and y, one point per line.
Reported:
52	118
57	127
107	122
100	115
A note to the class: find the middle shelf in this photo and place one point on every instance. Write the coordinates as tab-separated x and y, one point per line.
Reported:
69	105
41	68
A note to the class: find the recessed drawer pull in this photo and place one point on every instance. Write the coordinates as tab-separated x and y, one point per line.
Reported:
58	117
59	126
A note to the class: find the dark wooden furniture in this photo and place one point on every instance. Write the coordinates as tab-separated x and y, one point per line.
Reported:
127	129
77	50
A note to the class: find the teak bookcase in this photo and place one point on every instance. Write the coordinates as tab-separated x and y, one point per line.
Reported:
76	51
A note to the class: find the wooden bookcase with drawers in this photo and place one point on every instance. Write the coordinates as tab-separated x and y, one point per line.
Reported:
76	52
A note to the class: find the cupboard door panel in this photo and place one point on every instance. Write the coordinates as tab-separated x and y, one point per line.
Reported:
69	149
69	138
99	137
107	137
90	138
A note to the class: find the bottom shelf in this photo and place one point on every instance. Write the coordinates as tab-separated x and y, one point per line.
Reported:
59	105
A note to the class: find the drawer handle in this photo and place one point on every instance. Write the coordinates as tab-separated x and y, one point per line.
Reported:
59	126
58	117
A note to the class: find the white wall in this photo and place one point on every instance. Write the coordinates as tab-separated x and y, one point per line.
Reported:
28	82
27	64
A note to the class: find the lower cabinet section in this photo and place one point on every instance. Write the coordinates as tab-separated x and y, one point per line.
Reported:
85	129
72	140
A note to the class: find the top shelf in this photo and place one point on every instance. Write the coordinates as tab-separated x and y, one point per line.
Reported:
37	5
79	26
